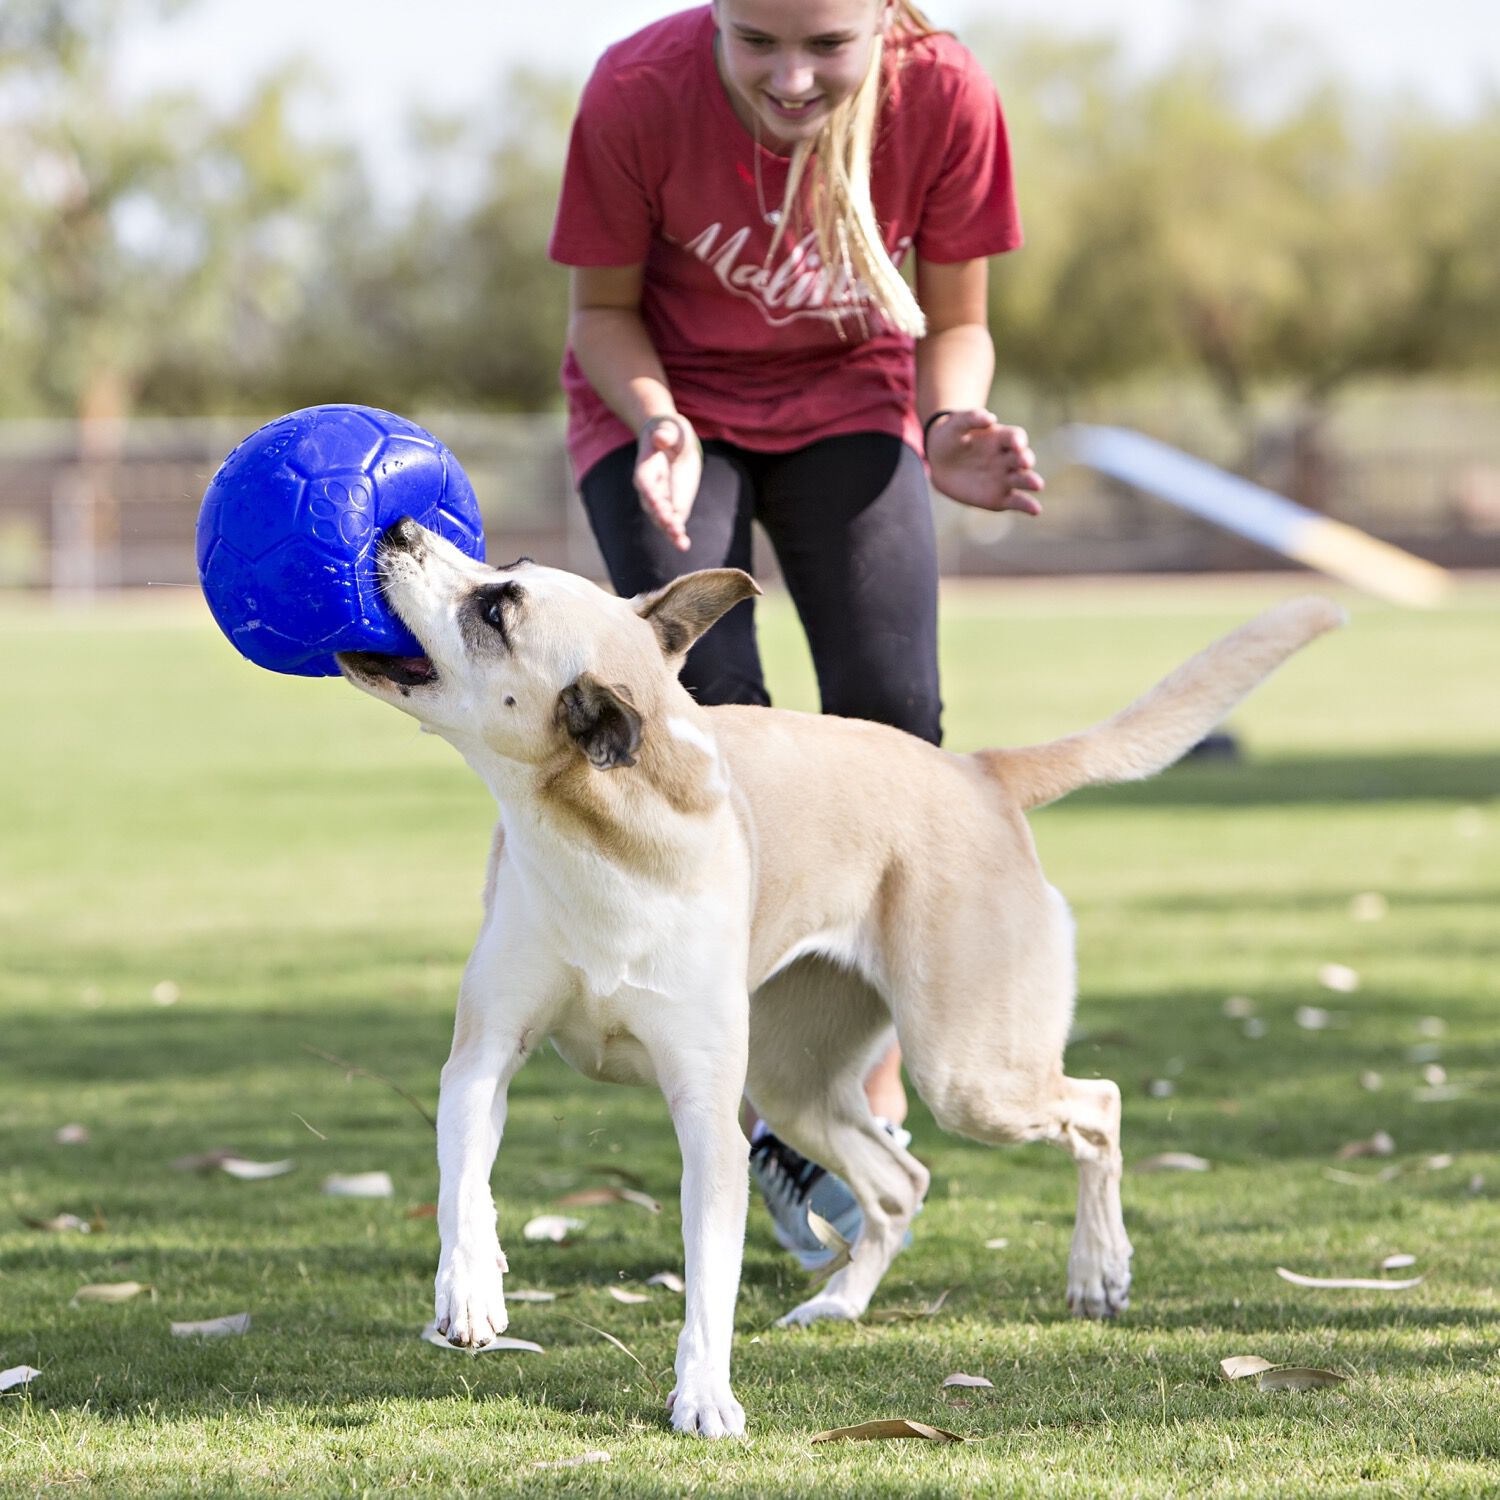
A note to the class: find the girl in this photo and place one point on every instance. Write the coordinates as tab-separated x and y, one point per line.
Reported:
743	182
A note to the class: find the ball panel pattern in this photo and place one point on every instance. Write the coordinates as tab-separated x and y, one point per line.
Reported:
288	527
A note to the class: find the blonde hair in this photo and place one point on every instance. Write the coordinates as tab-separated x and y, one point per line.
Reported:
836	167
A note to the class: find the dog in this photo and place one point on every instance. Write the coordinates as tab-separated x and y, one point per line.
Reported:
740	901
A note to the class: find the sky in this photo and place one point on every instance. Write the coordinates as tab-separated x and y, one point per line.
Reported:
379	59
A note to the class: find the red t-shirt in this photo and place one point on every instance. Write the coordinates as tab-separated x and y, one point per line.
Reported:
770	356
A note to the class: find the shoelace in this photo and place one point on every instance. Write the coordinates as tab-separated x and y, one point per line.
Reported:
787	1171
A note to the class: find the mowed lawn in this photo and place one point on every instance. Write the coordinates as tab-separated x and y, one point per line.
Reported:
206	871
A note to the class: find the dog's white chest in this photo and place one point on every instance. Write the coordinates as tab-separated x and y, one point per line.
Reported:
595	1037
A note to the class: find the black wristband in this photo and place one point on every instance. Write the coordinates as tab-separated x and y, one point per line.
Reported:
928	425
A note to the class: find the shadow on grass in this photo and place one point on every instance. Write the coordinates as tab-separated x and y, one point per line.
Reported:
182	1046
1315	904
305	1358
1419	777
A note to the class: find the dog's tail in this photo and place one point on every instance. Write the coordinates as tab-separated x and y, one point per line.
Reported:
1168	721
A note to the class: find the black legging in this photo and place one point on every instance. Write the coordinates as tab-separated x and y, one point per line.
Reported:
851	523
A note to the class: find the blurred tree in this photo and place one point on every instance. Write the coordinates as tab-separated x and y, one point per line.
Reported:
1241	218
455	305
153	250
1084	303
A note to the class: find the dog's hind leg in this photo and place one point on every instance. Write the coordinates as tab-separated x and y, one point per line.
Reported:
887	1182
816	1029
984	1023
1082	1115
1099	1262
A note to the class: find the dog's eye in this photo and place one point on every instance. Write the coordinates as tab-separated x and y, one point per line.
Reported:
495	603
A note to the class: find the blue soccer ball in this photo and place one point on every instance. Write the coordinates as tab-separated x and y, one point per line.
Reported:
287	533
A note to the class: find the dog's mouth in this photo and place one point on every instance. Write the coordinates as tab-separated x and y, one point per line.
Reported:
399	671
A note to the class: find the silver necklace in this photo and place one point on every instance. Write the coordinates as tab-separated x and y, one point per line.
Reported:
771	216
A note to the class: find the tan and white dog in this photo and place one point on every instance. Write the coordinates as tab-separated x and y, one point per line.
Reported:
743	900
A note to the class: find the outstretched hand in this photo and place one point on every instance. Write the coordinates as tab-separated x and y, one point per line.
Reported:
977	461
668	467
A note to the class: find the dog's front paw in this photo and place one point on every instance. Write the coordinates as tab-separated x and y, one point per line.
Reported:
470	1301
1099	1282
824	1309
706	1408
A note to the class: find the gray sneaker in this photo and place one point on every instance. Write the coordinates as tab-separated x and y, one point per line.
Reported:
791	1184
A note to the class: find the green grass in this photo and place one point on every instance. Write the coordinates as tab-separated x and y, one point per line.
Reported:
304	868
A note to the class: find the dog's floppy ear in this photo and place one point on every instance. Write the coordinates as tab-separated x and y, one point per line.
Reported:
686	607
601	721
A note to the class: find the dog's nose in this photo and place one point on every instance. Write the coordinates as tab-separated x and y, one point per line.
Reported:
402	536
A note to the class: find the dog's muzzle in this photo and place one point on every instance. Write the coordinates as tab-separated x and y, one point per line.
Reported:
404	536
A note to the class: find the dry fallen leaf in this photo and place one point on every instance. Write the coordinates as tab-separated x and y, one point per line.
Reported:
422	1211
1350	1179
213	1328
1339	977
959	1378
17	1376
72	1135
669	1279
830	1239
1397	1262
1353	1283
255	1171
527	1294
495	1346
1298	1378
827	1235
909	1314
204	1161
608	1169
65	1224
891	1427
1379	1144
589	1197
593	1456
1238	1366
359	1185
621	1295
553	1227
1174	1161
112	1291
